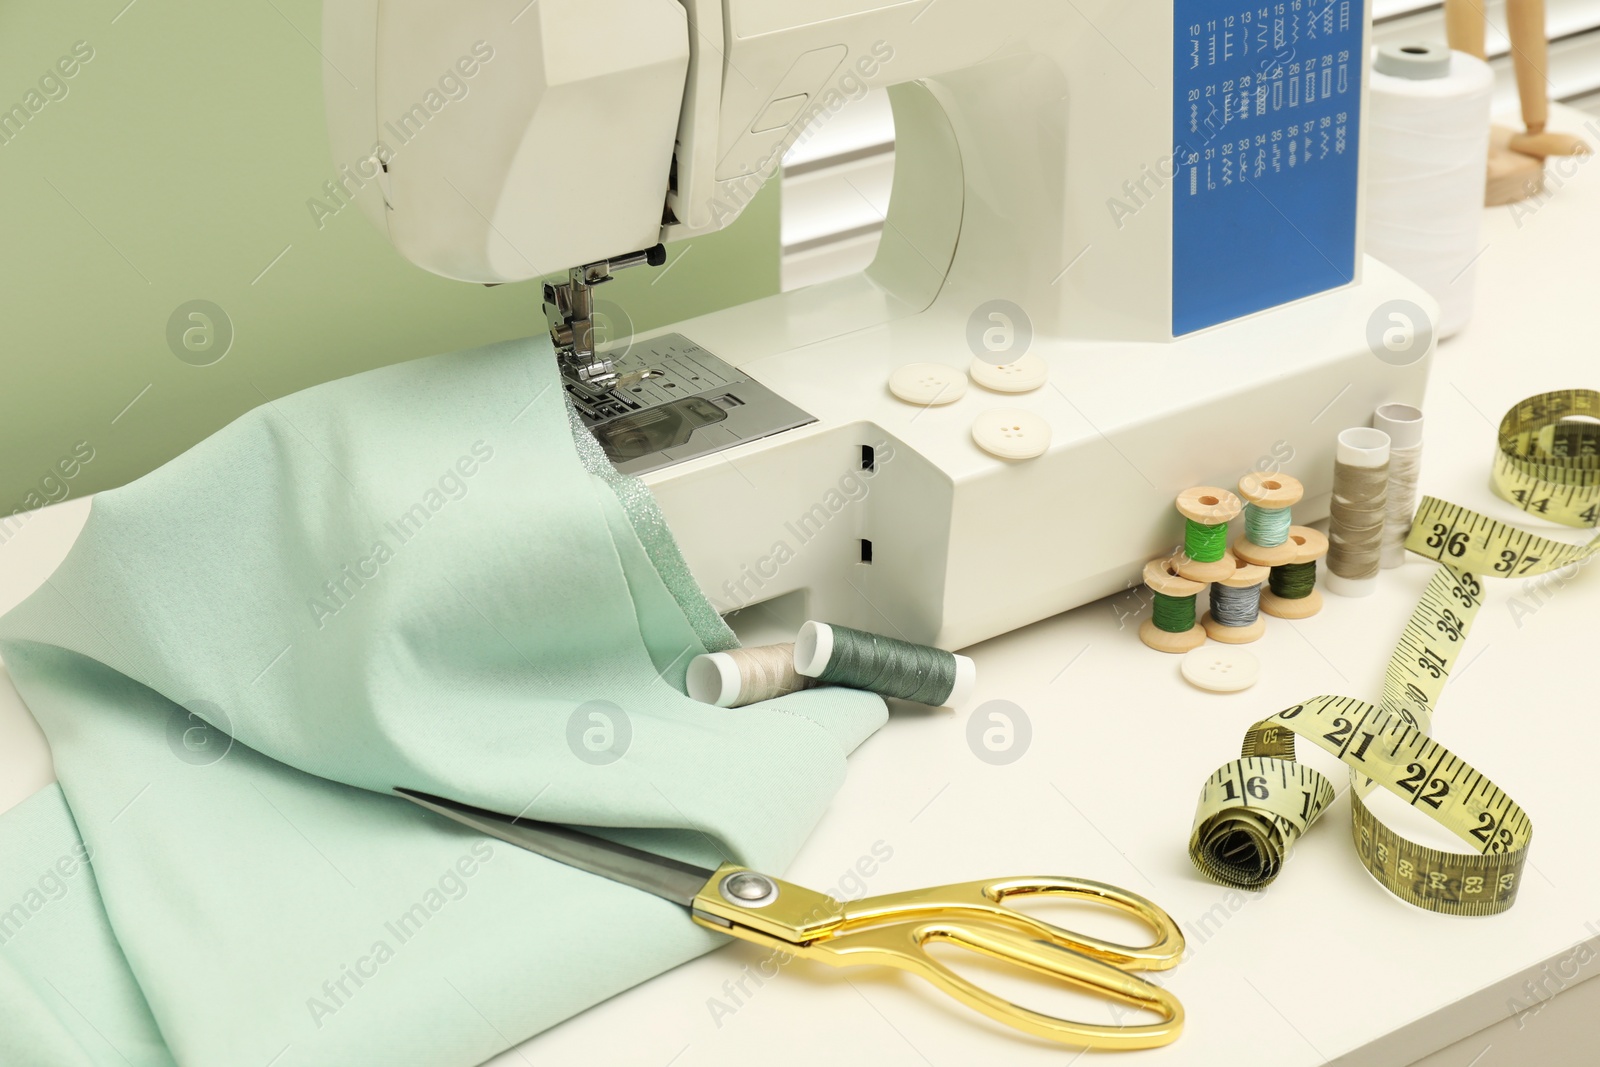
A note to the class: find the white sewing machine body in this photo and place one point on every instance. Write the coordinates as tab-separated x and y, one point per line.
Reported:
1086	168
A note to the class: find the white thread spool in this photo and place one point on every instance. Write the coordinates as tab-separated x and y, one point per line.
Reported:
1427	159
1360	447
1403	424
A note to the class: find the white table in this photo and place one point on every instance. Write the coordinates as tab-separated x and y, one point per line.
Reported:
1325	964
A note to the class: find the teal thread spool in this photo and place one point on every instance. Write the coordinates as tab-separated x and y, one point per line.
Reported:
1291	591
1266	527
838	655
1206	512
1268	498
1171	626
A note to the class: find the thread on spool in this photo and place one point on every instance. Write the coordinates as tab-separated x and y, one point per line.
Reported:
883	665
1235	605
1426	156
1174	614
1293	581
1203	542
763	672
1404	463
1403	424
1356	518
1267	527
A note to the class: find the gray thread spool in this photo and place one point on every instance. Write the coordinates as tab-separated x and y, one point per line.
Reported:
1235	605
1357	514
1403	424
743	676
837	655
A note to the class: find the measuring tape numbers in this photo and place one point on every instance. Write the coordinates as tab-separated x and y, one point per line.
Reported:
1548	464
1252	810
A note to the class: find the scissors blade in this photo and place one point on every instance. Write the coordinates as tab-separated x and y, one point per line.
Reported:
668	878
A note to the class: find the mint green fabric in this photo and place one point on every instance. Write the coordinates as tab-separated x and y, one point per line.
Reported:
409	577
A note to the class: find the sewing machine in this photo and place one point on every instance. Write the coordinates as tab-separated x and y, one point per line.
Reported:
1161	200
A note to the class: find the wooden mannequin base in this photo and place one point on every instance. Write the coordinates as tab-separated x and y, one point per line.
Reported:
1512	175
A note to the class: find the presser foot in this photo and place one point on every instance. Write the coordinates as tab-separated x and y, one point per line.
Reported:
670	400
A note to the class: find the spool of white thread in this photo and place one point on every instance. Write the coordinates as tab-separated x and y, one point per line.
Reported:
1403	424
1359	446
1427	159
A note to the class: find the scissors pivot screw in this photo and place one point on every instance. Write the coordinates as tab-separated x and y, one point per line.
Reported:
749	889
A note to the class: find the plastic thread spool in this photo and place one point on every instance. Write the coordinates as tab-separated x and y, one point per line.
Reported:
838	655
1206	512
1268	498
1356	517
1403	424
1171	626
744	676
1291	591
1427	145
1235	615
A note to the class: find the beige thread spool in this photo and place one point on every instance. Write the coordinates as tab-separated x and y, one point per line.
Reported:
1244	576
1209	506
1311	545
1403	424
743	676
1357	515
1268	491
1161	576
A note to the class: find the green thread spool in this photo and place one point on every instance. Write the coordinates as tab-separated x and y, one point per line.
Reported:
1207	510
838	655
1267	527
1174	614
1204	543
1293	581
1292	591
1171	627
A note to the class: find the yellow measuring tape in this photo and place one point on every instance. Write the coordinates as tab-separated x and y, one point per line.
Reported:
1548	464
1253	809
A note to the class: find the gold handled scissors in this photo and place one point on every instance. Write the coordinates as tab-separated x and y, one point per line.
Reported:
893	930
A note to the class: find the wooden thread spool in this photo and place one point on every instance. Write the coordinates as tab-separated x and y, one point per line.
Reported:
1311	546
1206	506
1244	576
1268	491
1162	578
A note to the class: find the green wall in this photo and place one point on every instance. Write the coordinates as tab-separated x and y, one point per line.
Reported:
177	166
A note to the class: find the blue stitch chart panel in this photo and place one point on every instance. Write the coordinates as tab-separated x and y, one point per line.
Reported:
1266	110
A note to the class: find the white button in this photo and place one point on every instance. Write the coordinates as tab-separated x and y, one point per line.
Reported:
1011	433
1025	374
927	383
1221	668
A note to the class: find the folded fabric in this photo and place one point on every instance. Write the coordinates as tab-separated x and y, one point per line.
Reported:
417	576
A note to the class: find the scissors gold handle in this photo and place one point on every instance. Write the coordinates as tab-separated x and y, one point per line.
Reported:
895	931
